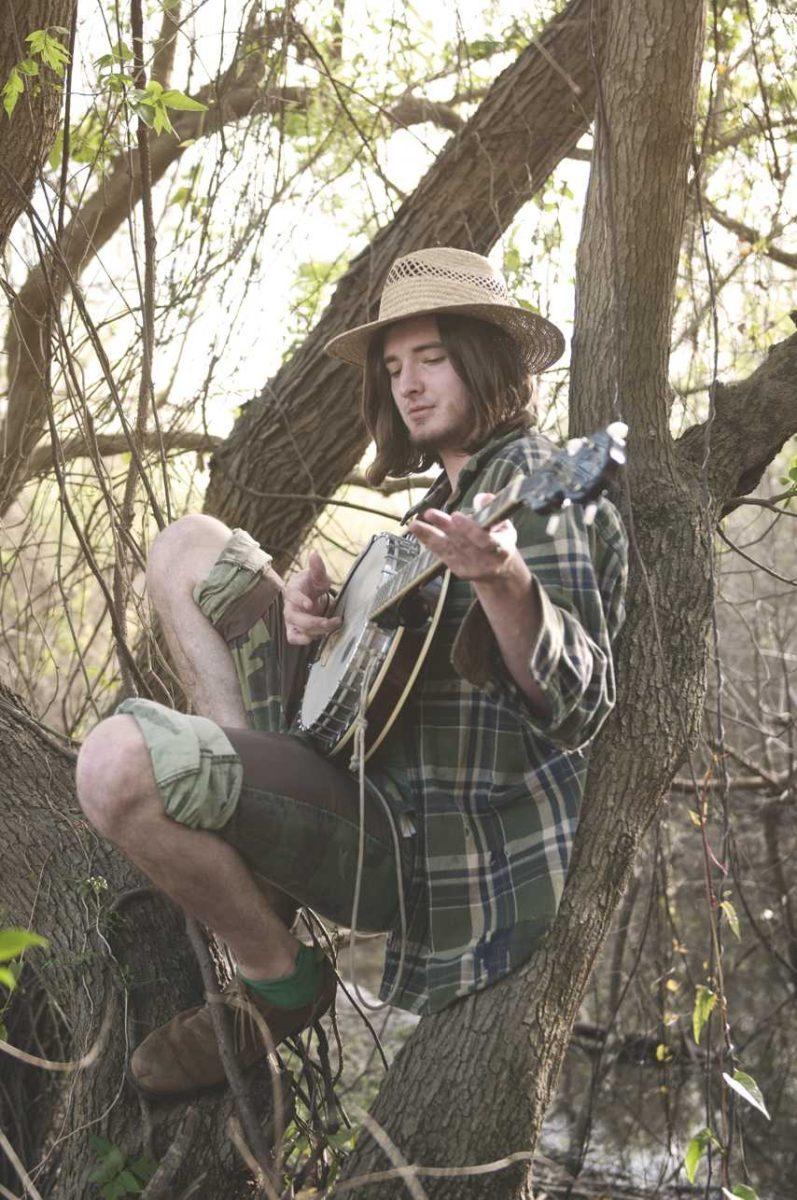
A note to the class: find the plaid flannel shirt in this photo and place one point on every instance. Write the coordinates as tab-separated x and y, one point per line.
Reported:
493	790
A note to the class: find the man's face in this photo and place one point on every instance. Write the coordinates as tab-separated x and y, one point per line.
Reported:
432	400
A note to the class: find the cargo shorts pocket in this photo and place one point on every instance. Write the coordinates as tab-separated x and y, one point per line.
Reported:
198	773
238	569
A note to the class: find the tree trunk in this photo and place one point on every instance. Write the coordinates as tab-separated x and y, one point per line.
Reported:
115	968
474	1082
304	433
28	134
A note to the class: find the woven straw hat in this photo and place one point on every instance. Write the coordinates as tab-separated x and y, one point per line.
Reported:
446	280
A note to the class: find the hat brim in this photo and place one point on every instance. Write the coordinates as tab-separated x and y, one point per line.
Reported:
540	340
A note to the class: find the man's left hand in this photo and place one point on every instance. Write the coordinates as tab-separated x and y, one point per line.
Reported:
467	549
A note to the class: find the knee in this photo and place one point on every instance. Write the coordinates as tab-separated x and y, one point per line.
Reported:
114	775
183	553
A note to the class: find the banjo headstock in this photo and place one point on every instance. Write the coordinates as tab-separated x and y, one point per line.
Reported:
575	475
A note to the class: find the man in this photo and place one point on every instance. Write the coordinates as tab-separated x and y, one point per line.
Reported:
474	794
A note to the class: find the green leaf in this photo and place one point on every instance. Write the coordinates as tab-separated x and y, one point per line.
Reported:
695	1151
132	1185
748	1089
52	52
28	67
100	1144
56	153
705	1000
161	122
143	1167
733	919
12	90
740	1191
14	941
174	99
8	978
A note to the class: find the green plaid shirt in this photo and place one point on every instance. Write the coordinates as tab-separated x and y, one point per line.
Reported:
494	791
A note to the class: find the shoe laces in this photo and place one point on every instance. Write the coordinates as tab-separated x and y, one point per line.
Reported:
249	1024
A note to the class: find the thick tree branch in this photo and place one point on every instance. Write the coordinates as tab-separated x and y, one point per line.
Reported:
172	441
166	45
532	117
753	418
415	110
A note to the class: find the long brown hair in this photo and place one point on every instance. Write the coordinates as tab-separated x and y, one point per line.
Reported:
489	362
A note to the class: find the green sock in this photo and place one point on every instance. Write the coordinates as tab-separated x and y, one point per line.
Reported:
294	990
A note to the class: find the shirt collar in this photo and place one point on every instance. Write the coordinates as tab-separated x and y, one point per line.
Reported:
440	493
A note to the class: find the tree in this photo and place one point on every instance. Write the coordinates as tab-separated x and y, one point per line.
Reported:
434	1106
30	72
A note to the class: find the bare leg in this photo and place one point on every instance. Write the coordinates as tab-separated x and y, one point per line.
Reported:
201	873
181	557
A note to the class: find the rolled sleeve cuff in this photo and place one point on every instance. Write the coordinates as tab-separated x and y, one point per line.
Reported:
476	657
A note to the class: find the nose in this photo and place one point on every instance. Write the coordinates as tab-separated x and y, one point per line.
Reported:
409	382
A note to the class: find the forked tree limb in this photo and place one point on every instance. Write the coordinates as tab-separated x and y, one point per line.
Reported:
530	119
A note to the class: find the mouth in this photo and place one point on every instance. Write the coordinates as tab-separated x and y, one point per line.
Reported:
419	409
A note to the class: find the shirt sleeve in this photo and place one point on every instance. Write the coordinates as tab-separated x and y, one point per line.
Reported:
579	575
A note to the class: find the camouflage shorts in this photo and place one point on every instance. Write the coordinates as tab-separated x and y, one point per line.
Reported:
293	815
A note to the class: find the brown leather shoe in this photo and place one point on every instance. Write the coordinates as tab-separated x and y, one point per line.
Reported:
182	1057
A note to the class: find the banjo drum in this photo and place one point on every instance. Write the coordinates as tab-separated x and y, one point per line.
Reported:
368	661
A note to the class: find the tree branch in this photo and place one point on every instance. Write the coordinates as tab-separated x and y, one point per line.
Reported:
746	233
753	418
531	118
230	98
173	441
166	45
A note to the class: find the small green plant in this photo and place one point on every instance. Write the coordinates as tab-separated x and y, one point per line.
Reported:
115	1176
13	942
43	50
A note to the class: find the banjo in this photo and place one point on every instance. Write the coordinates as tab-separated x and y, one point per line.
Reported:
392	598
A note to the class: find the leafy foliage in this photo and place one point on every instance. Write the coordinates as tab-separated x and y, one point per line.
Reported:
115	1176
13	943
49	51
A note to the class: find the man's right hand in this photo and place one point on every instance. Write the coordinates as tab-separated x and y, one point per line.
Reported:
305	600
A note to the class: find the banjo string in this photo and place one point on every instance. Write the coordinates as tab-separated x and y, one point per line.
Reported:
360	728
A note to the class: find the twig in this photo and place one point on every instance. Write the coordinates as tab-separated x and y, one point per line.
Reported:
160	1184
27	1183
754	562
79	1064
232	1068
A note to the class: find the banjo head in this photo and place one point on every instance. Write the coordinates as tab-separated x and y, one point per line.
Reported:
331	696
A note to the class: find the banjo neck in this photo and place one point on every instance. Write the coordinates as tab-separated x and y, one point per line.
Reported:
575	475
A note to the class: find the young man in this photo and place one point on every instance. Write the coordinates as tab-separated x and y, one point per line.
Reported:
238	818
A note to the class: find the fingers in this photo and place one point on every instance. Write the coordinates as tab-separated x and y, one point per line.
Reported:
301	628
305	601
470	550
319	579
482	499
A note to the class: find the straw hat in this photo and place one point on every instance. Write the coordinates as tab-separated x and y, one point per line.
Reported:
445	280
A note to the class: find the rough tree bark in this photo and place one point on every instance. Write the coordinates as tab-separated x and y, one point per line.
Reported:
114	969
27	136
474	1082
